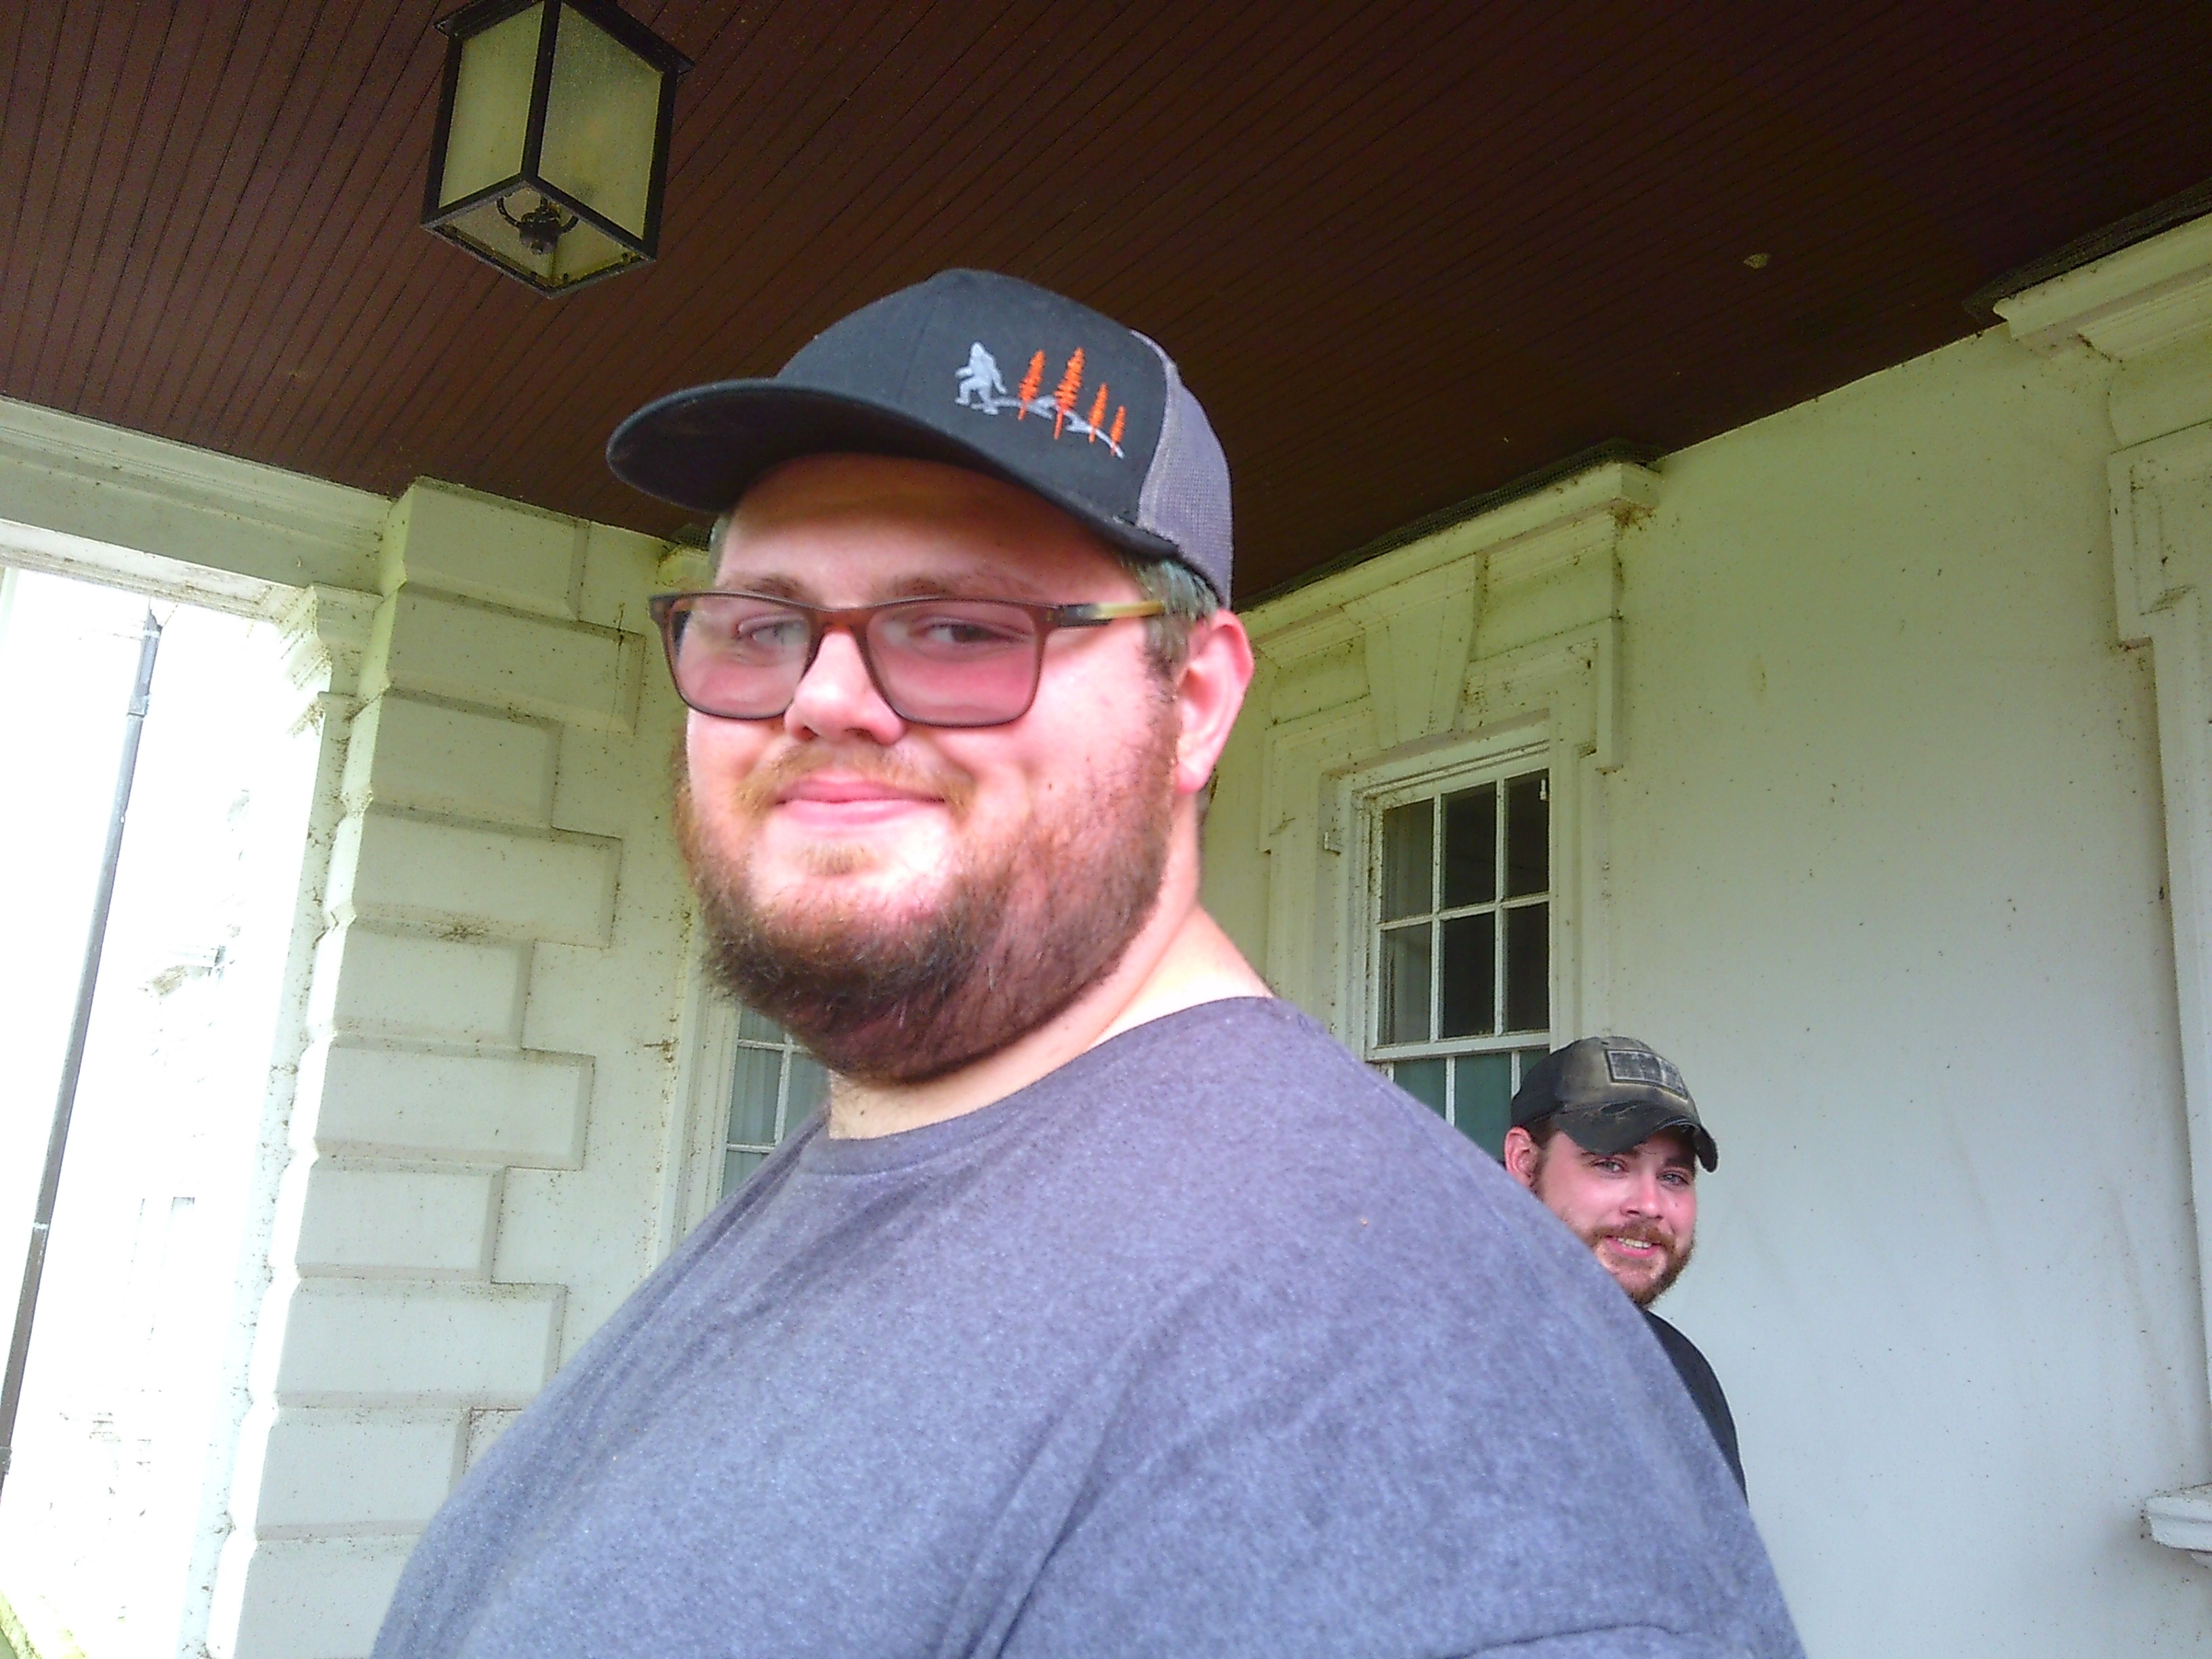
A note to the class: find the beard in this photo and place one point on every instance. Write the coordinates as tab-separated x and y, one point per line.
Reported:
1027	922
1677	1257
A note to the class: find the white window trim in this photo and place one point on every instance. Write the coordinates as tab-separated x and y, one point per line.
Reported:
698	1122
1496	636
1362	796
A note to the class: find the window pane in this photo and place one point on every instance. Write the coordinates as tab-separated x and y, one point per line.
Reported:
1528	835
1482	1099
1471	846
1406	834
1469	991
753	1026
1424	1079
736	1166
752	1096
1529	968
1404	1010
810	1087
1528	1057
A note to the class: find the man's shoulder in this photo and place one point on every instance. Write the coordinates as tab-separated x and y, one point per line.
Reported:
1704	1386
1248	1107
1247	1066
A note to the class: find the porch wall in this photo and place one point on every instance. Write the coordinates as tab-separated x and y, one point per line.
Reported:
1878	859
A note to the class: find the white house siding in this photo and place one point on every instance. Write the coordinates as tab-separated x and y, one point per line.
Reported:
1877	857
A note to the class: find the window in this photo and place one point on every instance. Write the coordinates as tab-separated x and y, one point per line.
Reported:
1460	969
774	1084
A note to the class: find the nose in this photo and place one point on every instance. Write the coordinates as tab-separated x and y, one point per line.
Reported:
837	696
1643	1198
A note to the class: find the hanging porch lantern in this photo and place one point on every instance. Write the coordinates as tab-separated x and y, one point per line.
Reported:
551	148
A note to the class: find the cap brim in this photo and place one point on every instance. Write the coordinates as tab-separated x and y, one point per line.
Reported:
703	449
1608	1130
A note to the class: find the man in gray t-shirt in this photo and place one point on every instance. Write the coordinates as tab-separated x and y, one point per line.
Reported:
1109	1307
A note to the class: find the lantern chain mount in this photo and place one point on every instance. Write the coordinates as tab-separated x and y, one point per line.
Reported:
541	226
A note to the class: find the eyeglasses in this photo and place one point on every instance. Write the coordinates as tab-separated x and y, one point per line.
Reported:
935	661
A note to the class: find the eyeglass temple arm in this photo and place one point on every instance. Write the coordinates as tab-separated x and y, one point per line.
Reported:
1098	615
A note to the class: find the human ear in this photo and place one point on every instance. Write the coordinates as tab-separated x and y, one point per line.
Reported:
1209	691
1523	1155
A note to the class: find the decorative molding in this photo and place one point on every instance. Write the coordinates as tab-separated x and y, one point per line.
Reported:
2161	506
2140	299
326	633
2161	521
2148	309
1618	491
120	490
2183	1521
1498	632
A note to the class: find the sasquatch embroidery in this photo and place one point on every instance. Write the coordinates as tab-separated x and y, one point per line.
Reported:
979	386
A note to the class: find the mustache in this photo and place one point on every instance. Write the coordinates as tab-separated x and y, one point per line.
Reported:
758	790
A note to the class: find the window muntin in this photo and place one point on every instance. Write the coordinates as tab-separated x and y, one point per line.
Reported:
1460	1002
774	1084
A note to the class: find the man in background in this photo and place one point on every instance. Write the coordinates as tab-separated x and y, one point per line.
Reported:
1606	1134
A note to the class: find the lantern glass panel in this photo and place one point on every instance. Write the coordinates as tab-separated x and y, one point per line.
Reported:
602	117
491	106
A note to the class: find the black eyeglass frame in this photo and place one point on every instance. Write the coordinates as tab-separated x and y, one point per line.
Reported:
668	609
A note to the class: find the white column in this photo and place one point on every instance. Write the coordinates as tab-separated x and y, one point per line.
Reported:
2148	309
390	1342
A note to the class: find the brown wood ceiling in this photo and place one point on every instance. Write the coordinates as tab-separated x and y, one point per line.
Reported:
1406	252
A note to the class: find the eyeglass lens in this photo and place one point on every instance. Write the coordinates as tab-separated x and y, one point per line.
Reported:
940	662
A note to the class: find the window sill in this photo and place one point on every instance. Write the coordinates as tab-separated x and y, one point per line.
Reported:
2183	1521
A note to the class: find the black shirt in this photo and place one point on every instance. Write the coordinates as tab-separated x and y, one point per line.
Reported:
1704	1387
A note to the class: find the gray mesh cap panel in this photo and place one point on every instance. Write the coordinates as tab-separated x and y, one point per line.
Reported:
1185	495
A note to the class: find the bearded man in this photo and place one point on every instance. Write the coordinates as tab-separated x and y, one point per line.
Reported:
1625	1181
1111	1306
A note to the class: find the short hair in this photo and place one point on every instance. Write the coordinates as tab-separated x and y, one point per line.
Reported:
1189	599
1542	1130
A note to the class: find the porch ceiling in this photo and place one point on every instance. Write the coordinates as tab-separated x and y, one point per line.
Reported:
1406	251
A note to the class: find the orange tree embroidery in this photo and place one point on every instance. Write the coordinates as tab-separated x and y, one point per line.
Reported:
1063	398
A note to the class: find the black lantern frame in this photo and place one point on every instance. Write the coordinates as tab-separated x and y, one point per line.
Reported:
442	217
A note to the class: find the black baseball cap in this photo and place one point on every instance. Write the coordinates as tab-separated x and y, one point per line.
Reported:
1610	1093
978	371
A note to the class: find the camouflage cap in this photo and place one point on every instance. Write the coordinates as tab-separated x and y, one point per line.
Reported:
1610	1093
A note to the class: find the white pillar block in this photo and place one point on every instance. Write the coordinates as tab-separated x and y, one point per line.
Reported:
448	648
411	985
353	1342
437	759
503	551
328	1474
466	882
509	1108
310	1598
385	1223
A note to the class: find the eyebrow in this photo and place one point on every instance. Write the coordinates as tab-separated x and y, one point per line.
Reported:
915	586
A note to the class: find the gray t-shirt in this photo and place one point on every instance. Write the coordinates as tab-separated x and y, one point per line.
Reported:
1210	1342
